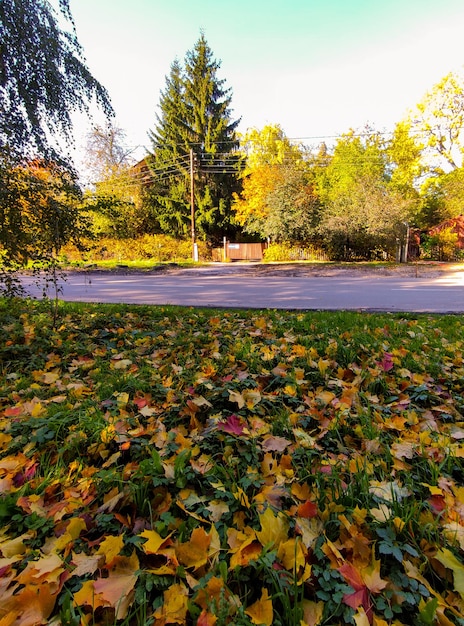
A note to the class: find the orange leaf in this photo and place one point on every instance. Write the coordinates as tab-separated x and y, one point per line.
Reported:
307	510
210	593
46	570
116	590
206	619
194	553
32	605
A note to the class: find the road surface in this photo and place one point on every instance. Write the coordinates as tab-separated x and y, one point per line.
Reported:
229	286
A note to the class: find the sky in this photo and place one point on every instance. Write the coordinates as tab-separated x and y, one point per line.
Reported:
315	67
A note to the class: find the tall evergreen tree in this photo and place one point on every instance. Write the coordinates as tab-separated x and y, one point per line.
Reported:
195	115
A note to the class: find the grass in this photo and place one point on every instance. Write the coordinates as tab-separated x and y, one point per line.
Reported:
165	465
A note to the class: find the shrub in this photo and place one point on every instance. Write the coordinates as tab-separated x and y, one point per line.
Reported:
159	248
284	252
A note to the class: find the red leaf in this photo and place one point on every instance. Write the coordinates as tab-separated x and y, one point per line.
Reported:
307	509
437	503
387	362
233	425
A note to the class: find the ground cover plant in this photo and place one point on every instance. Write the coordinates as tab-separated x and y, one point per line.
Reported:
183	466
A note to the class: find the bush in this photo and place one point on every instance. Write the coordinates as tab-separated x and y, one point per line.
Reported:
442	246
284	252
158	248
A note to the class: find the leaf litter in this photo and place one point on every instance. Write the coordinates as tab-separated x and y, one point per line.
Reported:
180	466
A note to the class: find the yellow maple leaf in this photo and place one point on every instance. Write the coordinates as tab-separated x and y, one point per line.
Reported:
174	609
14	547
447	558
290	553
56	544
360	618
154	541
110	547
87	596
322	365
274	529
47	569
371	575
261	612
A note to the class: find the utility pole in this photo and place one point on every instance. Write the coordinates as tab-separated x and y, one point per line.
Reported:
192	208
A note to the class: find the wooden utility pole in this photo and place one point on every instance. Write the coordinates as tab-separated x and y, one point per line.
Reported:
192	208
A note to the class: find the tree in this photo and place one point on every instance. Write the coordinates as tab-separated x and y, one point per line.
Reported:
195	116
270	157
268	146
39	211
442	197
405	156
117	202
294	206
43	78
363	213
439	122
106	152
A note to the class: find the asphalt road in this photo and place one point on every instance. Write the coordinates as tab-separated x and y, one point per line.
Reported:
227	287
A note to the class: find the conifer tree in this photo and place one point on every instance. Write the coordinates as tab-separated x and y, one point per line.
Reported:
195	115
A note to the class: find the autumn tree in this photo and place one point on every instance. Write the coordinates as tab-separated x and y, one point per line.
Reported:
294	206
439	122
275	197
40	206
116	199
195	115
363	213
436	125
43	80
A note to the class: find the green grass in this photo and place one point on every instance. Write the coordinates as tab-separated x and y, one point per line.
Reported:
167	465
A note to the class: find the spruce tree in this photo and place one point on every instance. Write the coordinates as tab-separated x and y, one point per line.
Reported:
170	158
195	115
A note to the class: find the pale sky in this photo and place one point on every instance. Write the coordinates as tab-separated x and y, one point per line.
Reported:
316	67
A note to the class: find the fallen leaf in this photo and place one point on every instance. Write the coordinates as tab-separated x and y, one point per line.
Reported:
261	611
